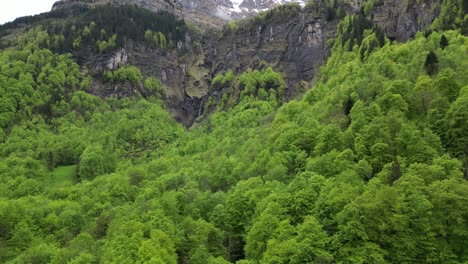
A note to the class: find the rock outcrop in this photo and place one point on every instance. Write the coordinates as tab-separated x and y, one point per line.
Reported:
120	57
400	20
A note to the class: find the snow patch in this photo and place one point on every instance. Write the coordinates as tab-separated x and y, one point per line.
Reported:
236	4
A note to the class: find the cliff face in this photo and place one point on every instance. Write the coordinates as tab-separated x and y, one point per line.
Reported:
401	20
181	70
293	43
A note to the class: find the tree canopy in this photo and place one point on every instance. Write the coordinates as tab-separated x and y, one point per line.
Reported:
369	166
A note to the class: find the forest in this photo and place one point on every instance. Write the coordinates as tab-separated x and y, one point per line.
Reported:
101	28
370	165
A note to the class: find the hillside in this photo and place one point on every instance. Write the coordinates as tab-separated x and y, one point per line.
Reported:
130	136
186	58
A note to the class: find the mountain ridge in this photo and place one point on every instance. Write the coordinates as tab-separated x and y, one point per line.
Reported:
212	13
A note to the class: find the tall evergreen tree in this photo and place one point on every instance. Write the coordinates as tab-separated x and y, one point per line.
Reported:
431	63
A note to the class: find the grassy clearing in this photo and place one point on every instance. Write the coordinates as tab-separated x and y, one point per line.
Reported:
64	174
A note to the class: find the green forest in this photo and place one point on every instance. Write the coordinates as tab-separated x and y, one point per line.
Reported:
370	165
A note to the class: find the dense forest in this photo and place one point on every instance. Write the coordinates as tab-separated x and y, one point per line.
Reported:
102	28
369	166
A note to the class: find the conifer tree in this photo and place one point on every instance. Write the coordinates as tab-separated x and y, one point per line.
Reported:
443	42
431	63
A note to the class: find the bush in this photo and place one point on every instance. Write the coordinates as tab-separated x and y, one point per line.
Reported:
126	73
94	162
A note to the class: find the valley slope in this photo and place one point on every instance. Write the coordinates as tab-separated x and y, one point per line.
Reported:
330	133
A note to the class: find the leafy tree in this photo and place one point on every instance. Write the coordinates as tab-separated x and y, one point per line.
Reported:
262	230
452	16
94	162
153	86
308	245
424	90
446	83
159	249
456	125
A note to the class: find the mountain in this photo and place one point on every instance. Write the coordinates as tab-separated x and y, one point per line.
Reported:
236	9
205	12
290	38
334	132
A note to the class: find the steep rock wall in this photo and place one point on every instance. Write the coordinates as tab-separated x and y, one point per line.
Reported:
400	20
294	44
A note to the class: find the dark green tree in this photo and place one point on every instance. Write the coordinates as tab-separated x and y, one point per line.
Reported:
431	64
443	42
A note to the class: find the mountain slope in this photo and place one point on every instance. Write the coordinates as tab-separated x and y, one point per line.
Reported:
289	39
358	169
369	164
205	12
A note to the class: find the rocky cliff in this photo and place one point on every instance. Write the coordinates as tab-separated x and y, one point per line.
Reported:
293	43
400	20
292	40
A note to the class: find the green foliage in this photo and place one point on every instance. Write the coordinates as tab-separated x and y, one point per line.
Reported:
334	9
262	83
104	27
369	44
443	42
233	26
366	168
221	80
370	5
305	243
353	29
64	174
217	80
156	38
153	86
94	162
278	13
456	125
35	81
105	46
131	74
453	15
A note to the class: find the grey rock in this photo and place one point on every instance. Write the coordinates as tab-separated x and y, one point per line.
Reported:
120	57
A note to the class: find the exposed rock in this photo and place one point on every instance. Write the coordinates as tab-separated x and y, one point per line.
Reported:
294	45
314	34
120	57
400	19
